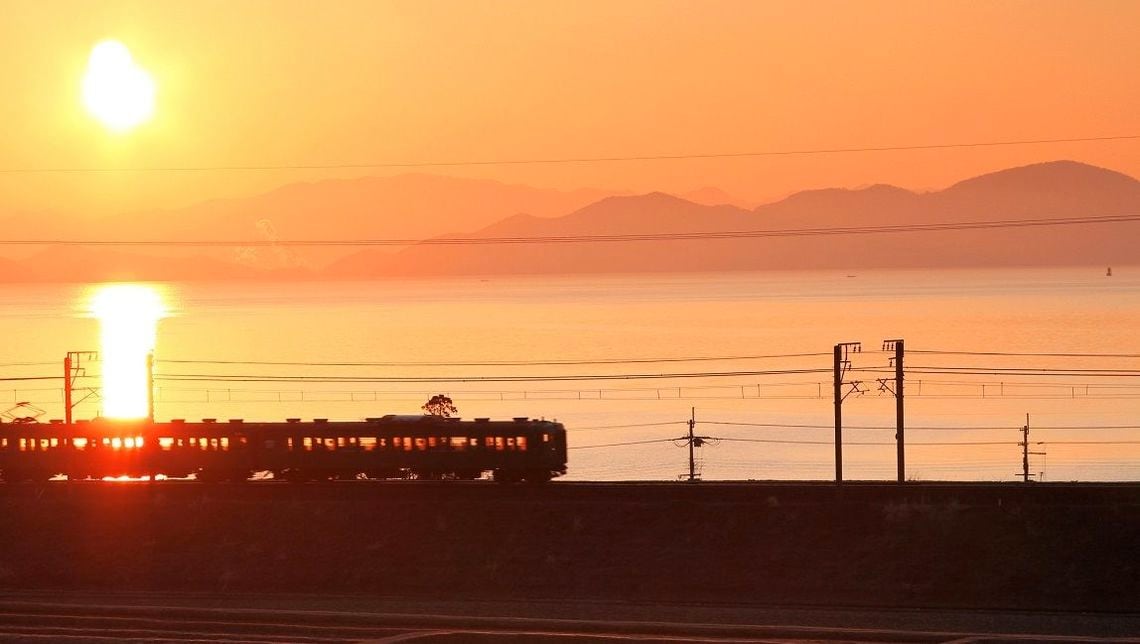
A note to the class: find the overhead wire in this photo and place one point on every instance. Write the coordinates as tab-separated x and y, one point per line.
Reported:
622	444
372	165
1020	354
627	426
207	377
490	363
575	239
862	443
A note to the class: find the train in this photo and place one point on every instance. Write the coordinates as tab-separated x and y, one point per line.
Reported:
387	447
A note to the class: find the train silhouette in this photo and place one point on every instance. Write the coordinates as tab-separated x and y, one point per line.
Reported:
388	447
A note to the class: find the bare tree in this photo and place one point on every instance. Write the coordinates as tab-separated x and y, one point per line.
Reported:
440	405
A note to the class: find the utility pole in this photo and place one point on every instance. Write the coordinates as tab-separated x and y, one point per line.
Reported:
692	441
67	389
840	366
150	386
896	388
73	369
1025	453
1025	450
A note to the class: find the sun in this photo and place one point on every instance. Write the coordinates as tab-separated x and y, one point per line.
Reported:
128	315
116	90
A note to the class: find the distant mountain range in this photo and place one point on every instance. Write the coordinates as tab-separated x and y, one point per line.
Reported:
422	206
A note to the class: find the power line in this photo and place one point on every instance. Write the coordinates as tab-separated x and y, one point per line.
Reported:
1025	354
629	426
579	239
1021	371
490	363
1027	384
503	392
845	426
868	443
625	444
1051	443
562	160
449	379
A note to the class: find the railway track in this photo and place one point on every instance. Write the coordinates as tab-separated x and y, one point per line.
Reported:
125	620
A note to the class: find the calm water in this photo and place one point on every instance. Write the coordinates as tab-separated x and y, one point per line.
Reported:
775	424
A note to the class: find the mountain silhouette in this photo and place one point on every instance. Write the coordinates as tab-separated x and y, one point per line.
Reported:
368	207
408	206
1046	190
712	196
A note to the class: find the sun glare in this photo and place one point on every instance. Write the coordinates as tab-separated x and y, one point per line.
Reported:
116	90
128	315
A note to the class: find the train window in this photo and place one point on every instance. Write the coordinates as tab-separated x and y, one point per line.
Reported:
383	442
421	444
193	442
128	442
499	443
473	442
511	444
55	442
23	444
432	441
368	443
458	442
546	438
308	442
341	442
116	443
243	440
490	441
521	442
407	443
3	443
396	442
289	442
224	443
165	442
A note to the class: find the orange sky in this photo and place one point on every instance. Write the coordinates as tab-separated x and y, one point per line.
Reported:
281	82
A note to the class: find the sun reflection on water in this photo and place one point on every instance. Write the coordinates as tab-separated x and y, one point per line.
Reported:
128	315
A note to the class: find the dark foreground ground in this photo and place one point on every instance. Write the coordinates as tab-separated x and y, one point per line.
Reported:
1037	547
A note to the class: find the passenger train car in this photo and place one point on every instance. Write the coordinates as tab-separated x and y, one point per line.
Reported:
401	447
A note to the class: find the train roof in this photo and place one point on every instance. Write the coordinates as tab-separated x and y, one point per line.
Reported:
408	420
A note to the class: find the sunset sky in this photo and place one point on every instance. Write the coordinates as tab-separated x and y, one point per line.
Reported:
279	82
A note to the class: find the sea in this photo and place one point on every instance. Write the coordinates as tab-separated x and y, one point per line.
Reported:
629	362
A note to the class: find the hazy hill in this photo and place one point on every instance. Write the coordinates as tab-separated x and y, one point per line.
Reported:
1056	189
409	206
405	206
420	206
711	196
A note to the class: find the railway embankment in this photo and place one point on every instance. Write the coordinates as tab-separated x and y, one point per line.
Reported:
1035	546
